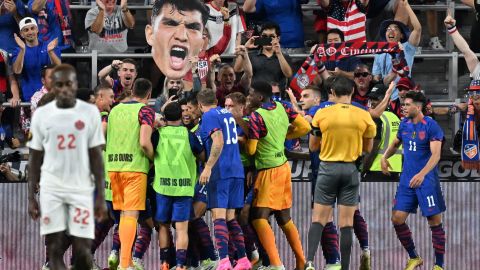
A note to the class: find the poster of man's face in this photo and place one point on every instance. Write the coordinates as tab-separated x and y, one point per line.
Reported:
176	35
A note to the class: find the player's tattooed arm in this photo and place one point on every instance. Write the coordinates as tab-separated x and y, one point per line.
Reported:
35	162
216	150
96	167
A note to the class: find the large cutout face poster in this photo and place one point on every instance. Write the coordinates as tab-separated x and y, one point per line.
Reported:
176	35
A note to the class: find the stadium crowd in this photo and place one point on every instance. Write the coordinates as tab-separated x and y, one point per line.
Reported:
218	138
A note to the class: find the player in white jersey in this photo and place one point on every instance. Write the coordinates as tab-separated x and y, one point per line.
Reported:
65	150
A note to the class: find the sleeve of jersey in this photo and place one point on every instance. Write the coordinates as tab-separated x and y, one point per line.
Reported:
210	124
371	129
36	136
400	130
195	144
316	125
290	112
435	132
146	116
256	127
96	137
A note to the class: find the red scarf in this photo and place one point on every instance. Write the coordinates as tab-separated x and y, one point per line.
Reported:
3	74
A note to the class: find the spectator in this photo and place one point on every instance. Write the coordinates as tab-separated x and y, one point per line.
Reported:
396	31
224	13
363	82
172	89
348	16
11	12
269	63
404	85
127	73
345	66
108	25
55	21
31	55
286	13
227	78
8	82
475	32
47	84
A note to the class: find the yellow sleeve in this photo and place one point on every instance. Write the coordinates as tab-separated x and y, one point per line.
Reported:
371	130
251	146
300	128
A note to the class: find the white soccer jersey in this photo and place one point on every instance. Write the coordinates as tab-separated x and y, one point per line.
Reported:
215	26
65	136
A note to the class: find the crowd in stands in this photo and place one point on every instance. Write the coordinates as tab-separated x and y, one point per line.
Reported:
35	33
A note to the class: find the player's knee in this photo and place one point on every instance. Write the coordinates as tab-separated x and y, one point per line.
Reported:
397	220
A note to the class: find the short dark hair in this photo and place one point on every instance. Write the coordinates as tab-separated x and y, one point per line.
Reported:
192	98
142	88
173	111
342	86
237	97
417	97
328	83
130	61
182	101
100	87
338	32
271	25
181	5
45	68
207	97
263	88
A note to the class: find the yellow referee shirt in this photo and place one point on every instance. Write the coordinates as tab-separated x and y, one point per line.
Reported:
343	127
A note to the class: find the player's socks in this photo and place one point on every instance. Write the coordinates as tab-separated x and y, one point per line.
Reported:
181	256
236	237
360	229
127	232
249	237
346	239
101	231
208	249
263	255
293	238
193	250
232	251
143	241
164	255
405	236
172	254
116	239
314	236
267	238
221	237
330	246
438	240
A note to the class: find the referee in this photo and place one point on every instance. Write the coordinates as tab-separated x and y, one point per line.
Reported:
344	132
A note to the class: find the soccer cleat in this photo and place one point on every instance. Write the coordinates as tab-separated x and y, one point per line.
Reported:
309	266
165	266
138	264
262	267
46	266
336	266
113	260
413	263
128	268
243	264
436	267
224	264
365	260
208	264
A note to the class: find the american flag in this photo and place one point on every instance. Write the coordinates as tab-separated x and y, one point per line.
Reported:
353	26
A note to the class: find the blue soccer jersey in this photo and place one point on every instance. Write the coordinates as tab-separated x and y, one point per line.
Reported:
416	140
229	165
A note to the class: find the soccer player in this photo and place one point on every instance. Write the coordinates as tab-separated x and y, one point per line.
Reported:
175	178
224	174
65	150
126	72
421	138
129	149
338	177
268	128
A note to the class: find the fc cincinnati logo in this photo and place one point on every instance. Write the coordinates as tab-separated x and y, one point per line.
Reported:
303	80
331	51
470	150
79	125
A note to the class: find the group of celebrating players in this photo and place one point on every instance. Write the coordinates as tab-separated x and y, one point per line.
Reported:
163	174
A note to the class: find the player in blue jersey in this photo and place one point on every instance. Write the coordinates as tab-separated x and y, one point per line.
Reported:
421	138
224	174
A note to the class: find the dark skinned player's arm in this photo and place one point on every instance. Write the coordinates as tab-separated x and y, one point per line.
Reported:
35	162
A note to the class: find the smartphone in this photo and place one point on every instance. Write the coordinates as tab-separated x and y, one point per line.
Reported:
263	41
172	92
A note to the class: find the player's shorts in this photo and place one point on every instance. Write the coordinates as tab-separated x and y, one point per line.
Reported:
225	193
200	194
114	214
337	181
129	190
67	211
273	188
173	209
428	196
